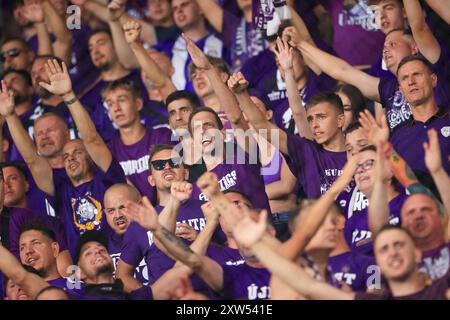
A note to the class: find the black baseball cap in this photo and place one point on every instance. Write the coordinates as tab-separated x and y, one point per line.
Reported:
90	236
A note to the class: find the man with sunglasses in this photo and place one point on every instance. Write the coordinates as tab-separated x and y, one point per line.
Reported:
15	54
130	147
167	174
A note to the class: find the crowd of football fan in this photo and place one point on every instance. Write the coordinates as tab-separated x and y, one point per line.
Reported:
224	149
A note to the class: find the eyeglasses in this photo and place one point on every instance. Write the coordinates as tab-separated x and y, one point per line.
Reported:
366	165
10	53
159	165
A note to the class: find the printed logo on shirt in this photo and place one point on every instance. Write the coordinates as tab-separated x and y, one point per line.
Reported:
131	167
399	110
141	272
87	213
327	179
197	224
227	181
445	131
256	292
438	266
346	277
361	14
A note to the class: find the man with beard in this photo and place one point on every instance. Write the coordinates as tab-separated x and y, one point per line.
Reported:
15	54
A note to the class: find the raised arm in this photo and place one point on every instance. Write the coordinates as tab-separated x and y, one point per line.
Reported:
249	234
62	47
433	161
311	219
33	11
378	202
165	85
341	70
29	282
441	7
213	13
39	167
209	270
61	85
284	186
238	84
284	55
428	45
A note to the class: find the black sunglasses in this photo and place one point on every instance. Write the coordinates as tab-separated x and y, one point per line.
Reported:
10	53
159	165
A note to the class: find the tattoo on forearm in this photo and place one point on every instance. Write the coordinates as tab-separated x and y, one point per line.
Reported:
175	240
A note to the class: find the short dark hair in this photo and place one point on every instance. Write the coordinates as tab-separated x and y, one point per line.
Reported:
99	30
205	109
158	148
15	38
353	126
357	100
411	58
90	236
125	84
23	73
48	57
328	97
183	94
219	63
19	165
404	31
38	225
389	226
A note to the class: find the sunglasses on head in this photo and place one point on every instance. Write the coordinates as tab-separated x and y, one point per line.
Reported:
10	53
159	165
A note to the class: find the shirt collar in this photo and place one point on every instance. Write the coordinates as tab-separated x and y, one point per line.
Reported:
441	113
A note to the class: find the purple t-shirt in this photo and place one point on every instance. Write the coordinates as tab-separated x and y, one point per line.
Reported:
435	263
177	52
316	168
365	44
398	109
414	133
237	173
154	113
245	282
134	158
435	290
356	229
115	245
138	242
64	283
225	255
243	39
352	268
81	208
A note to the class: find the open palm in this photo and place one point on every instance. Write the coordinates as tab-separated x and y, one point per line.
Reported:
376	133
6	100
284	54
60	82
247	232
198	57
433	158
144	214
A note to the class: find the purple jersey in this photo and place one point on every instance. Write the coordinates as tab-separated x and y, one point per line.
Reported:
235	173
245	282
435	263
115	246
138	242
434	290
68	287
414	133
352	268
242	38
154	114
316	168
398	109
177	52
224	255
366	43
81	208
356	229
134	158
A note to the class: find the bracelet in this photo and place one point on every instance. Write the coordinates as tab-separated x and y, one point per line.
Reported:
71	101
389	149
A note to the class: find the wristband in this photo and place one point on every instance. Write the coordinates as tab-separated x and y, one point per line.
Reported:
71	101
389	149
